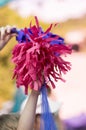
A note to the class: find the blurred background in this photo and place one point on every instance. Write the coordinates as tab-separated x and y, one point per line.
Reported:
70	16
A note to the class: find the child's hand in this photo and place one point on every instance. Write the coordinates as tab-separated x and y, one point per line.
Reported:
5	35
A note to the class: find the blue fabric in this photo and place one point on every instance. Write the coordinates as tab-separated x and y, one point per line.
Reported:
59	41
47	120
21	37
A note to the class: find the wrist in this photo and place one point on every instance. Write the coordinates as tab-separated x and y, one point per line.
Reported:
35	92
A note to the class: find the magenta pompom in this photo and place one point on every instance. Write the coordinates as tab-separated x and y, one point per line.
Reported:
37	57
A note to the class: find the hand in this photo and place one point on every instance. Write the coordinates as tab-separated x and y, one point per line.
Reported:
5	35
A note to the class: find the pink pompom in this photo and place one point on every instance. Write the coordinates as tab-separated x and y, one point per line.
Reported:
36	58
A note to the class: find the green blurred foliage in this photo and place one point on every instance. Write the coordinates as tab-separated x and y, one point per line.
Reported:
7	16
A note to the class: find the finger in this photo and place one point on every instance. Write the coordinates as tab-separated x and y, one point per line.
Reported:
8	29
36	85
39	84
2	33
